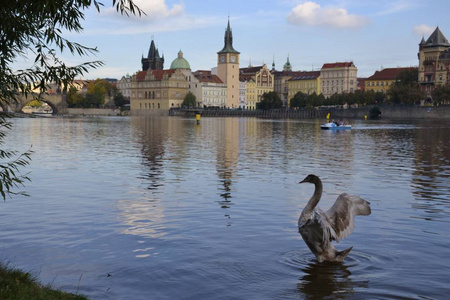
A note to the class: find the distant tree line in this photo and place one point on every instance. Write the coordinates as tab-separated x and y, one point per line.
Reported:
98	95
405	91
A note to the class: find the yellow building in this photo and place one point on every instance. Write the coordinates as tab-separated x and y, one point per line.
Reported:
250	87
381	81
259	81
157	89
305	82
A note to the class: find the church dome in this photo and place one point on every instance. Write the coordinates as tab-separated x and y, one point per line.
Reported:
180	62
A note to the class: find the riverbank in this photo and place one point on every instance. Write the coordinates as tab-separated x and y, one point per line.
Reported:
16	284
387	112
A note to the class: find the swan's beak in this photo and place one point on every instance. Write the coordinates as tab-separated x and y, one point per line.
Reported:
303	181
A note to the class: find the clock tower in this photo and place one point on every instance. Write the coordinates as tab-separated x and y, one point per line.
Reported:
228	69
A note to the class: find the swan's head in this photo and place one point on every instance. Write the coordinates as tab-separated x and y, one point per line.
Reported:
310	178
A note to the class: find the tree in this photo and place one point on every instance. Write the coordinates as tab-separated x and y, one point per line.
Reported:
10	164
441	94
120	100
189	100
406	89
36	28
299	100
271	100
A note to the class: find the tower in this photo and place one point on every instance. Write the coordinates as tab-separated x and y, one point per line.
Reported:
434	62
153	60
228	68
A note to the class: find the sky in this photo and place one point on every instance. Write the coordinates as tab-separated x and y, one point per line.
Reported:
373	34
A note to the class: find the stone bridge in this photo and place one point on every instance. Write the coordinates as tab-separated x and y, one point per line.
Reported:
57	102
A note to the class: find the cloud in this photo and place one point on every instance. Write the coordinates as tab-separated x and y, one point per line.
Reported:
423	30
312	14
154	10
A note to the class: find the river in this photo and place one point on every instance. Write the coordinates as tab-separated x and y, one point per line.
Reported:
163	208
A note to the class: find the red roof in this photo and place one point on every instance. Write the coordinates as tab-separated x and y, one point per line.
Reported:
209	78
387	74
338	65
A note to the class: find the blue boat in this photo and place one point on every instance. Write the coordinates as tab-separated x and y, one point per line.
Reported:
334	126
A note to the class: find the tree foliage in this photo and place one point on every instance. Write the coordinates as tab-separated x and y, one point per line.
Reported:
189	100
271	100
406	89
10	163
120	100
35	30
441	94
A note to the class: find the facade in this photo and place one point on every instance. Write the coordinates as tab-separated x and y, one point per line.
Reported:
209	90
339	77
434	62
250	91
124	85
242	94
153	61
228	69
305	82
158	89
281	84
263	81
382	81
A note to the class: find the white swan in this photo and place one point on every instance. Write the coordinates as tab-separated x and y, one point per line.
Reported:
319	228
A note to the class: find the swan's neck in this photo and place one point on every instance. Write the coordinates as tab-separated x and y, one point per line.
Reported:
312	203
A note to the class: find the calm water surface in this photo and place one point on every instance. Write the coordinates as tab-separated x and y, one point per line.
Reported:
160	208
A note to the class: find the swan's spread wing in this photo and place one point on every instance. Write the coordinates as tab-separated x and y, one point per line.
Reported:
342	214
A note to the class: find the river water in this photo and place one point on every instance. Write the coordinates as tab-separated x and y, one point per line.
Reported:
163	208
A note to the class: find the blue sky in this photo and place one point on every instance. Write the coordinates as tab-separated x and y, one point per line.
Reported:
372	34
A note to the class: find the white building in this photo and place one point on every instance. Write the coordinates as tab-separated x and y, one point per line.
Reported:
339	77
124	85
242	94
210	91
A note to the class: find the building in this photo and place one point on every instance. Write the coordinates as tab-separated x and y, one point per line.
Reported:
305	82
259	80
281	84
434	62
242	94
124	85
250	91
228	69
339	77
209	90
153	61
382	81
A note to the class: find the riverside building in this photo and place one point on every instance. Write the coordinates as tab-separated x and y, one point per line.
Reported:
434	62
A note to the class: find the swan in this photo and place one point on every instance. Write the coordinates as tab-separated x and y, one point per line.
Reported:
318	229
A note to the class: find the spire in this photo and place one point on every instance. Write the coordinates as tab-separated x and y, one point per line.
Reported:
228	41
273	63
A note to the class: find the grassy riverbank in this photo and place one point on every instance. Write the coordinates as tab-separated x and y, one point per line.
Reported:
16	284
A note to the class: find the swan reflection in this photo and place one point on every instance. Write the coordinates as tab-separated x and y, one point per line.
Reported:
328	279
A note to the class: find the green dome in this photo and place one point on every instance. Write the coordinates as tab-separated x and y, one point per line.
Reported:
180	62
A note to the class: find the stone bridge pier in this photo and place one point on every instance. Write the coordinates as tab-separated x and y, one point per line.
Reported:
58	102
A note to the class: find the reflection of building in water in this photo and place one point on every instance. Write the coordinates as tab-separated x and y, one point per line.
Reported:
227	157
151	134
430	176
142	217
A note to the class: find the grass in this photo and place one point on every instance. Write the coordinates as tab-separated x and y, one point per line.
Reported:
18	285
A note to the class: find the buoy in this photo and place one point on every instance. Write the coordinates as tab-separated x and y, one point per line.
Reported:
197	117
328	116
